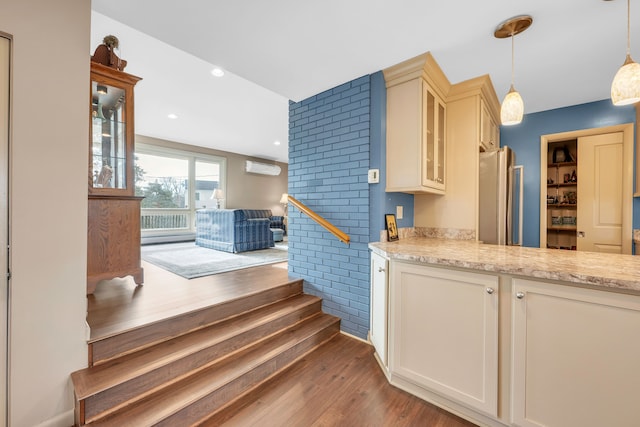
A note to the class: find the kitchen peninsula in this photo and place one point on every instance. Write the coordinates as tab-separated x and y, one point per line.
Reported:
505	335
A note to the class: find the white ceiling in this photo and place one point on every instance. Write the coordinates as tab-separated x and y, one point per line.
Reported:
291	49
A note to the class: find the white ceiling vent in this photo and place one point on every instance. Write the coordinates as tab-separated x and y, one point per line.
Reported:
262	168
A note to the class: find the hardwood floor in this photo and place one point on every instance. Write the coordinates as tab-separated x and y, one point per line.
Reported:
339	384
119	305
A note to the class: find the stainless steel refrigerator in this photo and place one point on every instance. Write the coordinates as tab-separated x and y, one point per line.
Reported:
500	198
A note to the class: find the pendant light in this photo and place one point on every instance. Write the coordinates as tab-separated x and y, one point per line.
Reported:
512	108
625	88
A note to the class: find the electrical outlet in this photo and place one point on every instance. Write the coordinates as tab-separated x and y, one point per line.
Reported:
373	177
399	212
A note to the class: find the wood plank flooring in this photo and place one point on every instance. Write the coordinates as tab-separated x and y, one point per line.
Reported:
119	305
340	384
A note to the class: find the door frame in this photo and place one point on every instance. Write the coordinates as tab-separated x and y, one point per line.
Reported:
627	176
5	324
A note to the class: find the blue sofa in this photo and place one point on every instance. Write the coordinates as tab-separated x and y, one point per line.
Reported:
234	230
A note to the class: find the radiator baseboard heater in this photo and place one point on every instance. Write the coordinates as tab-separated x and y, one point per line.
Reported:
262	168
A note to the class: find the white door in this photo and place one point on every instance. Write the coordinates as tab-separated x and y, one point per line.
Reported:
5	56
600	193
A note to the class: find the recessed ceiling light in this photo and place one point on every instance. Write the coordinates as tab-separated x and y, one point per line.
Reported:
172	116
218	72
276	143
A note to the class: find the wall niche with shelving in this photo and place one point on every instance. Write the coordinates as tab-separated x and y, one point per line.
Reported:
562	194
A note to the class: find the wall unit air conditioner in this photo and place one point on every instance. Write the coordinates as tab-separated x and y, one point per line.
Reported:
262	168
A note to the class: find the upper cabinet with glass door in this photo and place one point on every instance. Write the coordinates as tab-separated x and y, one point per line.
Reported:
111	168
433	140
416	124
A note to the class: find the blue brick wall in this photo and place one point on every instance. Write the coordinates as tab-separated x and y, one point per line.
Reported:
329	145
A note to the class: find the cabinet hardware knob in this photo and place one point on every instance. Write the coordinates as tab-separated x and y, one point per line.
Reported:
380	269
490	291
520	295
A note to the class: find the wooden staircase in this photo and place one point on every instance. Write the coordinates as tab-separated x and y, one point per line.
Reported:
180	371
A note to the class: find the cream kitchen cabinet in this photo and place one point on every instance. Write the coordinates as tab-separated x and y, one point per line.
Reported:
444	333
489	130
575	356
472	107
416	127
378	322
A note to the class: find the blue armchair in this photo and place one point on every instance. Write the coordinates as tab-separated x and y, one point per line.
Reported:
234	230
278	222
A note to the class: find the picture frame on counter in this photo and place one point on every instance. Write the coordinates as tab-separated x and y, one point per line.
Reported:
392	227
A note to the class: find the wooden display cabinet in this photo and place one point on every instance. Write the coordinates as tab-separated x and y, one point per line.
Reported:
113	248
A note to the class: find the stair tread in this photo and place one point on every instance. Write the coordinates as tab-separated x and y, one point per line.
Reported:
169	400
89	381
144	331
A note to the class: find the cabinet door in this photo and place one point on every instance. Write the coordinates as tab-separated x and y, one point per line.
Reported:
444	332
575	356
495	134
433	139
111	145
488	129
379	307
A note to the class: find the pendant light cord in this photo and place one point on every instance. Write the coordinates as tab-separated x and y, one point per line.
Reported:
628	27
512	61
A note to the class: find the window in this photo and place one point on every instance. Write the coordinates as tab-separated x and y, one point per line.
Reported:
207	181
174	183
162	181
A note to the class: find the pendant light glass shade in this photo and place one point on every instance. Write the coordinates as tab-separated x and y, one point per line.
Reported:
512	109
625	88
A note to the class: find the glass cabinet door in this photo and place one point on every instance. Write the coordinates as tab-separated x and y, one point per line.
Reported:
433	139
108	137
430	130
440	146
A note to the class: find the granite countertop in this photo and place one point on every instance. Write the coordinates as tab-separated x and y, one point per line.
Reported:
611	271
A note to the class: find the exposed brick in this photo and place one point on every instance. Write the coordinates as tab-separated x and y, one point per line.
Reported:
328	161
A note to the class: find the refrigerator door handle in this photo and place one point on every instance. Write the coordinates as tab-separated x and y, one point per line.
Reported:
520	168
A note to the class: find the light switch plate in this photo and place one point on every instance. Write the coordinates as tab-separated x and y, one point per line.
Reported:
399	212
373	177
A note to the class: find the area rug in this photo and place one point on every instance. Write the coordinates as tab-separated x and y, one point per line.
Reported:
191	261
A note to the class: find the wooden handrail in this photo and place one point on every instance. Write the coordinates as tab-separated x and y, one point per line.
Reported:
341	235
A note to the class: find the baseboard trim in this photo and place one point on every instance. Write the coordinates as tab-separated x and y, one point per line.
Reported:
65	419
172	238
354	337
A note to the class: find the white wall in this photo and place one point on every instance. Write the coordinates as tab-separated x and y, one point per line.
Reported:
48	207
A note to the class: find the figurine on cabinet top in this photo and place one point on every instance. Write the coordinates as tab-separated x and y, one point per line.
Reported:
105	53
